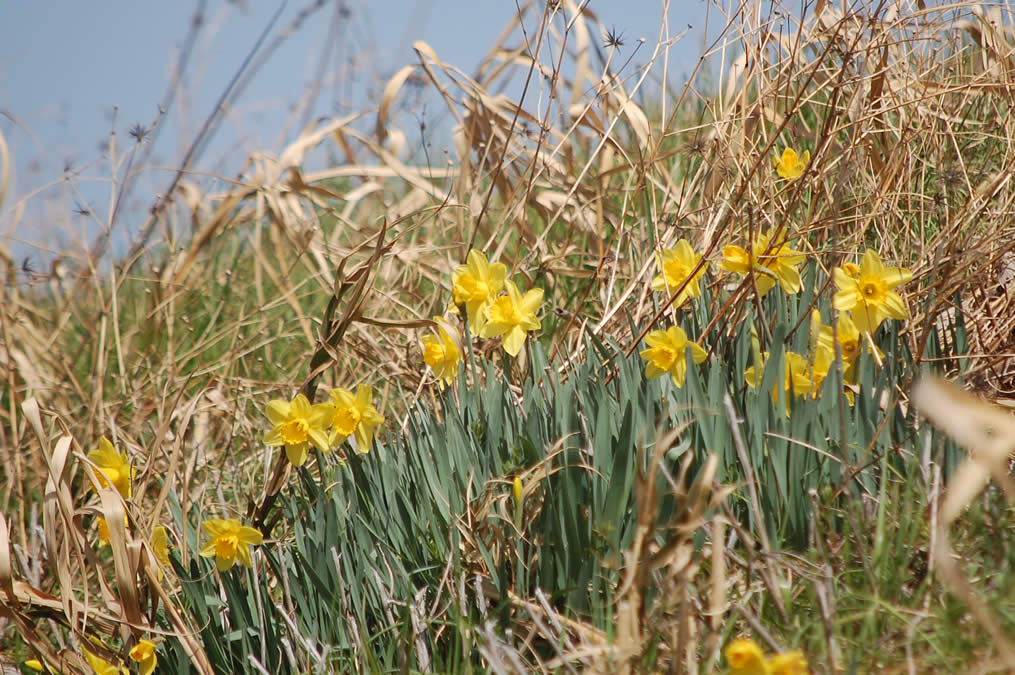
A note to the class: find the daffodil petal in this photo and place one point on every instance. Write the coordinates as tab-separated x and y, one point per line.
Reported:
277	411
514	340
789	279
208	550
845	299
320	439
297	454
894	307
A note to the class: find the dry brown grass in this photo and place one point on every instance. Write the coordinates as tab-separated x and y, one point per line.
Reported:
907	110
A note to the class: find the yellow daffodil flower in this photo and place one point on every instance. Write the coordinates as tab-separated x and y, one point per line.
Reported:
229	541
676	265
441	352
870	295
850	343
297	425
788	663
101	666
772	262
745	657
513	316
112	468
475	285
143	653
790	166
355	415
666	354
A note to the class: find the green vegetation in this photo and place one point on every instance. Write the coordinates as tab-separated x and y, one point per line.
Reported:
604	500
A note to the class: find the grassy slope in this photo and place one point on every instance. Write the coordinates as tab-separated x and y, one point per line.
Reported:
177	357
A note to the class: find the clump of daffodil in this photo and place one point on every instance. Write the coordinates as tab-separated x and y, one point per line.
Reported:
513	316
772	262
354	415
229	541
112	468
804	375
746	657
441	352
475	285
297	425
676	266
790	165
666	354
869	293
143	653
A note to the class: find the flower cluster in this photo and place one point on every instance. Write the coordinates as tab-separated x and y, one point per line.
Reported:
770	259
680	272
477	286
866	297
229	541
494	306
298	424
111	469
745	657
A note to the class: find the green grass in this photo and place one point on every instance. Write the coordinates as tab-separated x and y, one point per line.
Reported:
651	534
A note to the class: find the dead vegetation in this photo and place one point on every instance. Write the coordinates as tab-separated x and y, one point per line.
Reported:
906	108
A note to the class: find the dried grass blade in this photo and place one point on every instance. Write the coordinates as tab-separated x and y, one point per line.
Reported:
989	435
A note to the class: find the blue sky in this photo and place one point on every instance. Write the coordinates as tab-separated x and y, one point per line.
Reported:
65	65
